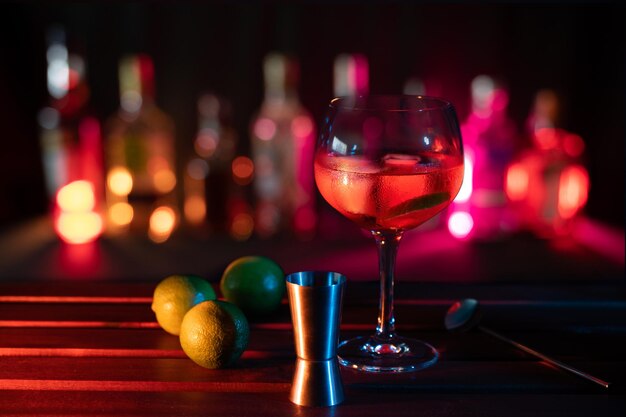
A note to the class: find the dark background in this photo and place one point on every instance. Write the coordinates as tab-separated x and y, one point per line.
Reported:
578	50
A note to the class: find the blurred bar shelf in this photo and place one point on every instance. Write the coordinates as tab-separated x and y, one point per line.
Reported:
593	253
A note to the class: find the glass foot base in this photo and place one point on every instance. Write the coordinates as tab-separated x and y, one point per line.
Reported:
398	354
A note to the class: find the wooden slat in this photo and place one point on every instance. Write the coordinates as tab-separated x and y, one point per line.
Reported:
564	317
362	292
358	403
157	343
446	376
142	386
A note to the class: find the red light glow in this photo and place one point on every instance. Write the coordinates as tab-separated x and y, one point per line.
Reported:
361	73
517	179
573	145
573	190
546	138
302	127
243	170
304	221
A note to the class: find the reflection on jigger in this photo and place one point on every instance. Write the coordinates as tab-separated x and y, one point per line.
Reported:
315	299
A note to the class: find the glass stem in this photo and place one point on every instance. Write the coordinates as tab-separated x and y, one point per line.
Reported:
387	243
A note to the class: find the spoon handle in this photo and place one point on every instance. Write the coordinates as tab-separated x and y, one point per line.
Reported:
546	358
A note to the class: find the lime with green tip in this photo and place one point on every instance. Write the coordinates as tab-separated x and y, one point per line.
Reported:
175	295
214	334
256	284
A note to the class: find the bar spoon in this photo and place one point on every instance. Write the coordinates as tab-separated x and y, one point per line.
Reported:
465	315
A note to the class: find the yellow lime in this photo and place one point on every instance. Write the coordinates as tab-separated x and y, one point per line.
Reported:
254	283
214	334
175	295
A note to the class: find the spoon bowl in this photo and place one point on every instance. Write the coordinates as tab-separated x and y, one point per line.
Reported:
463	315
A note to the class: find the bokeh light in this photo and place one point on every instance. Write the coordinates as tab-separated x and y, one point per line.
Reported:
265	129
78	227
121	214
195	209
243	170
573	190
516	184
242	226
120	181
162	223
460	224
77	196
164	180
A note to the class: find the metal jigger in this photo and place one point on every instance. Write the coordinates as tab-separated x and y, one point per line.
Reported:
315	299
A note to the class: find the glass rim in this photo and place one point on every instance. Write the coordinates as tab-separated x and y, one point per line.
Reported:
434	103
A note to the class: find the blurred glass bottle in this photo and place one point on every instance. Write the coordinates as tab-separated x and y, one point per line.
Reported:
548	183
350	75
350	79
213	197
71	144
140	157
490	141
283	142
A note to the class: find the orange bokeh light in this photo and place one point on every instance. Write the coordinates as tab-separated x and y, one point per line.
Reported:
162	223
517	179
78	227
164	181
76	196
121	214
76	221
242	226
120	181
243	169
195	209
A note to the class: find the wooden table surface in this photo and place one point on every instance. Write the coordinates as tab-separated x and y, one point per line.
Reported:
94	348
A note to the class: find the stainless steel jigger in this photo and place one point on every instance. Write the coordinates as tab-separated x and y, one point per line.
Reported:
315	299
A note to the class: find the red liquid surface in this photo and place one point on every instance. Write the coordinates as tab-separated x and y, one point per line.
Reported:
397	192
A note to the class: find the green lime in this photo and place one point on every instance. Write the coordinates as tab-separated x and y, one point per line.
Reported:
254	283
214	334
175	295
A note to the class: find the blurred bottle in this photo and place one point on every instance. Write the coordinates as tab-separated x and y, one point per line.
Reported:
414	86
490	141
548	183
350	79
71	145
215	196
140	157
351	75
282	142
